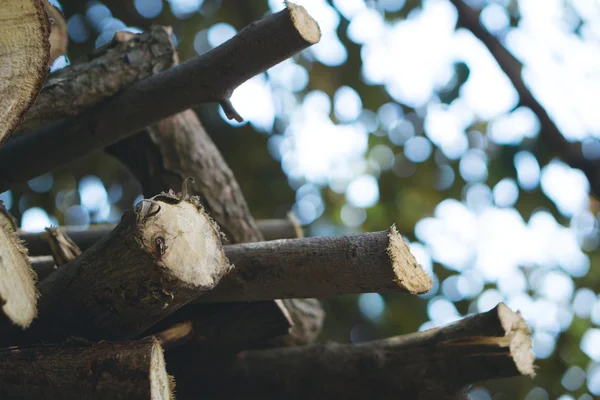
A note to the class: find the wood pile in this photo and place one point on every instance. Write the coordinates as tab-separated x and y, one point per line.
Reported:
185	296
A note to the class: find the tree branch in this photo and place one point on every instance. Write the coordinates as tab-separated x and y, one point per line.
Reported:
37	242
74	370
569	152
434	364
163	254
211	77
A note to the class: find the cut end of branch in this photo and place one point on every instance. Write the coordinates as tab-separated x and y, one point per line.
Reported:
58	36
183	239
24	58
410	276
230	111
160	381
18	294
517	332
306	26
175	335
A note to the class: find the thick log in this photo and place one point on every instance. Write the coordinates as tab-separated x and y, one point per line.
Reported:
434	364
128	58
75	370
164	253
18	295
24	57
569	152
38	245
319	267
211	77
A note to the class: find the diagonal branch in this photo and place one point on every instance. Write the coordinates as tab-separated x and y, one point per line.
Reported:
211	77
568	151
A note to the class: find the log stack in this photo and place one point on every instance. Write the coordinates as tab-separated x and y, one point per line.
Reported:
189	272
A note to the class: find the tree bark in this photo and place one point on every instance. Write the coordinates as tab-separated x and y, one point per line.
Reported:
210	77
128	58
37	242
18	295
163	254
319	267
72	370
434	364
569	152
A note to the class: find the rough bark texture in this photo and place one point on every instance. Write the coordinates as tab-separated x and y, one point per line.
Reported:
62	248
428	365
569	152
18	295
127	59
24	57
211	77
160	257
321	267
74	370
38	245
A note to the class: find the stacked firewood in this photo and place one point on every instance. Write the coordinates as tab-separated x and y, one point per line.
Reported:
159	304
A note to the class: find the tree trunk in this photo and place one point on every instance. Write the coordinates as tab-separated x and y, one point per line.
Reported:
127	371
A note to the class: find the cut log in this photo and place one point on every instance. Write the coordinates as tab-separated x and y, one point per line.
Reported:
75	370
24	57
211	77
18	294
434	364
164	253
319	267
115	66
38	245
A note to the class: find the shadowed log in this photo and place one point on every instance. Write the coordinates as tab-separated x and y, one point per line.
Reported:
73	370
433	364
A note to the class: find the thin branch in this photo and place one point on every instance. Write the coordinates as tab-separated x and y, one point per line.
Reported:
79	370
38	245
211	77
570	152
434	364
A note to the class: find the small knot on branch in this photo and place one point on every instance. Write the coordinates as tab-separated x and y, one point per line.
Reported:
230	111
